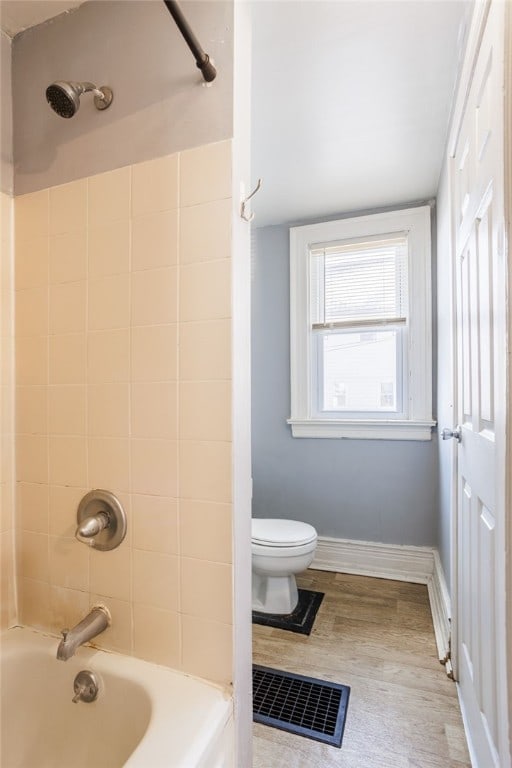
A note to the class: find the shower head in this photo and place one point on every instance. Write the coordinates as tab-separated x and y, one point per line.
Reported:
64	96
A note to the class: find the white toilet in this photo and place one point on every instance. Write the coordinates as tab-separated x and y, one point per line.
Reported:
280	549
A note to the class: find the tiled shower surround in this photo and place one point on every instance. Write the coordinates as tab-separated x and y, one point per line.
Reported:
8	593
123	382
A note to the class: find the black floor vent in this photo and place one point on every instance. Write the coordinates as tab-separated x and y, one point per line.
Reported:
306	706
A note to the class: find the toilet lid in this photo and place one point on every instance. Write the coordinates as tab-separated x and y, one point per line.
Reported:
281	533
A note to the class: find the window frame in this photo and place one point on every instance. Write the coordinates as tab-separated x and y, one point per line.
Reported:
417	384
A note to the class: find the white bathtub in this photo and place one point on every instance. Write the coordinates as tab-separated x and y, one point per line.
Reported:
145	716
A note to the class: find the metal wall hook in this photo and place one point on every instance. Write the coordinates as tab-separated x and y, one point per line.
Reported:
243	214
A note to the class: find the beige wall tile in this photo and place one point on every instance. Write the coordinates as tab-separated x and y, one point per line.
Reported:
108	356
205	232
7	584
205	530
211	660
118	636
109	196
68	460
109	303
67	607
155	185
155	240
155	524
67	307
156	579
109	249
154	409
68	207
32	410
157	635
111	572
109	463
154	467
69	563
7	520
32	458
34	598
67	359
32	215
67	409
206	589
64	501
32	312
205	410
205	350
205	173
205	471
33	554
108	410
154	297
68	257
32	360
31	263
32	507
154	353
129	408
6	214
205	291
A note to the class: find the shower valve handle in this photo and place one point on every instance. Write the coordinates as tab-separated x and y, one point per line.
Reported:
93	525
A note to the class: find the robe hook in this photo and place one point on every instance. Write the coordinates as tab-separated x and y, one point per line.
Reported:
243	214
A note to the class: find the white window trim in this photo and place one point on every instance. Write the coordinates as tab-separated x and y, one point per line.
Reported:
418	424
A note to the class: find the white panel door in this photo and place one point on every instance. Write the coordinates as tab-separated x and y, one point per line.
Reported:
477	205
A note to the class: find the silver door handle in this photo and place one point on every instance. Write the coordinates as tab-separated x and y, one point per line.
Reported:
456	433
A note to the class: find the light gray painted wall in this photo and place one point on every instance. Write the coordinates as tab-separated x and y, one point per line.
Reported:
160	104
6	175
372	490
445	379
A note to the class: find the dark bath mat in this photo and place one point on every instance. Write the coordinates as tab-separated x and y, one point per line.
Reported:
300	620
308	707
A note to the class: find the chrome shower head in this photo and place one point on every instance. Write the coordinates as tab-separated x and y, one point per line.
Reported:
64	96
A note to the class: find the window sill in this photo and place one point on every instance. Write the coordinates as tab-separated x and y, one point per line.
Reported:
362	430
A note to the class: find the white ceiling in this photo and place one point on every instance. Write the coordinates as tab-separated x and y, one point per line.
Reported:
17	15
351	103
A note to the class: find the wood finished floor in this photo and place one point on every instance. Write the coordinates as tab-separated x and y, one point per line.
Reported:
377	637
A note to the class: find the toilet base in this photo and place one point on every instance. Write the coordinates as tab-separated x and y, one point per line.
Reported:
274	594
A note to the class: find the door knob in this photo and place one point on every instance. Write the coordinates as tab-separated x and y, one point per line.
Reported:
456	433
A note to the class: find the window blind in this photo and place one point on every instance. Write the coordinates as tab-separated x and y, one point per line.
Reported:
359	283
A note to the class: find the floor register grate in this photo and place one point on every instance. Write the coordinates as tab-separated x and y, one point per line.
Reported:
308	707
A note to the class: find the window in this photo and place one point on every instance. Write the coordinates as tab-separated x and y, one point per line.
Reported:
361	327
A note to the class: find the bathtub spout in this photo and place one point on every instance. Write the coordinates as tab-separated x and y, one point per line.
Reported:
95	622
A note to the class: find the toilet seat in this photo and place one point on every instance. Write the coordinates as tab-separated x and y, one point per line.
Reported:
271	532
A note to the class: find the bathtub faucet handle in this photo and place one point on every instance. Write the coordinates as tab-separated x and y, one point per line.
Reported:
64	633
93	525
101	520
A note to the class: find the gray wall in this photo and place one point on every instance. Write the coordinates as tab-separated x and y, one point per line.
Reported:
373	490
160	102
6	176
445	366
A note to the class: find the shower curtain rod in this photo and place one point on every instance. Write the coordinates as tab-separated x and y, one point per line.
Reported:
202	59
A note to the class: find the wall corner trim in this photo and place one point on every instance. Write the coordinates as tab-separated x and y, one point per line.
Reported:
421	565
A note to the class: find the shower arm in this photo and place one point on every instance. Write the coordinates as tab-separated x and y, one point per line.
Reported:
91	88
202	59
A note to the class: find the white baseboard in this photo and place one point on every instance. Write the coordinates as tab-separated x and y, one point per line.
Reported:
440	605
421	565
